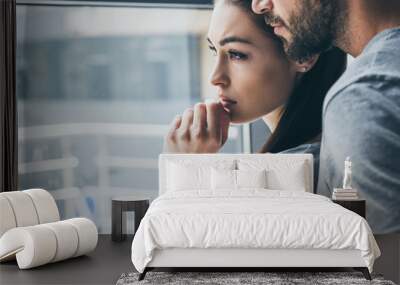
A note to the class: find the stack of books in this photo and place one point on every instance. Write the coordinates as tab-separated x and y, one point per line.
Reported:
345	194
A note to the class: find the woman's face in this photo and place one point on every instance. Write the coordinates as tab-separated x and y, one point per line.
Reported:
252	74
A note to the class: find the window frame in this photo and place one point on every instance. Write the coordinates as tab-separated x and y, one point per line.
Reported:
184	4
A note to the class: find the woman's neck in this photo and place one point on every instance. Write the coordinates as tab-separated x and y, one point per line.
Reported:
272	119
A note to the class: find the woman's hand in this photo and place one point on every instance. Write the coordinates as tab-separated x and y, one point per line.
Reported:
203	129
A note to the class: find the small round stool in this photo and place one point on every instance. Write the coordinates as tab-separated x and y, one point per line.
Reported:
122	204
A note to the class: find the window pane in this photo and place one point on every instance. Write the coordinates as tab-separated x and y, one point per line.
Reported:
97	88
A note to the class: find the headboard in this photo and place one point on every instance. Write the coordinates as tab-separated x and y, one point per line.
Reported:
209	158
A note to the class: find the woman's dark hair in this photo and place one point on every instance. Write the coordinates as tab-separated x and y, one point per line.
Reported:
301	121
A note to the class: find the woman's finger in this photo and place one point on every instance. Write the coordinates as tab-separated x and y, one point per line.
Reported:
187	120
213	120
175	124
200	116
225	122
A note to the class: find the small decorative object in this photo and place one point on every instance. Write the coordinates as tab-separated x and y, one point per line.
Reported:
347	192
347	174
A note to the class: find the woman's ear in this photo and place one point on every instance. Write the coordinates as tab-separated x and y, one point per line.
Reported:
306	65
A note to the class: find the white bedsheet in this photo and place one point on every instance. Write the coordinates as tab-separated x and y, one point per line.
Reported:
251	218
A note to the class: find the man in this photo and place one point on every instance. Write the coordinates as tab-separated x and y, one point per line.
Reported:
361	115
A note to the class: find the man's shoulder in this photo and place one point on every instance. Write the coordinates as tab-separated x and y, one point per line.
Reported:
372	86
370	110
367	113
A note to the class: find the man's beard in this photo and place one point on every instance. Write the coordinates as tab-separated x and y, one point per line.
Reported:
313	29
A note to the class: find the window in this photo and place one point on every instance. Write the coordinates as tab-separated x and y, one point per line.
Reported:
97	87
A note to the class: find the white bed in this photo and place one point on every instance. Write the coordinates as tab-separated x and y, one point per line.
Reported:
201	220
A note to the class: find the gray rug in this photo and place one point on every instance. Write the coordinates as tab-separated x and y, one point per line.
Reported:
269	278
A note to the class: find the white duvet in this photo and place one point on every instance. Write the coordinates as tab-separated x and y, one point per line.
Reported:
252	218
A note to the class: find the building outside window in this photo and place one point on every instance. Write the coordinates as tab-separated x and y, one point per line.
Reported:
97	87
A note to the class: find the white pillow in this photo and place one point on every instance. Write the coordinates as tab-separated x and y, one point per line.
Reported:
251	178
223	179
183	178
282	173
237	179
193	175
293	179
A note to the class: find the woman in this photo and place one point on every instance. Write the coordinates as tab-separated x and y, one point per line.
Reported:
255	79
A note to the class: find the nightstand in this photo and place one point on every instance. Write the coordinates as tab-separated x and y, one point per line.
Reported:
357	206
139	205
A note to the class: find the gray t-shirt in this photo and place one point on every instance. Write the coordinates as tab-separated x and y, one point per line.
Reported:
361	119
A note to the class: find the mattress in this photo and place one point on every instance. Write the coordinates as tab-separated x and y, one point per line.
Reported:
250	219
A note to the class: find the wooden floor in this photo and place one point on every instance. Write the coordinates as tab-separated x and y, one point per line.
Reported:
111	259
102	266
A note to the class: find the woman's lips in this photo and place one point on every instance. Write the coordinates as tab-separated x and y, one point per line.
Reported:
227	103
223	98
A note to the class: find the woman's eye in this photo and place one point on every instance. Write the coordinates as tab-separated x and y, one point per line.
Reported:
237	55
213	50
